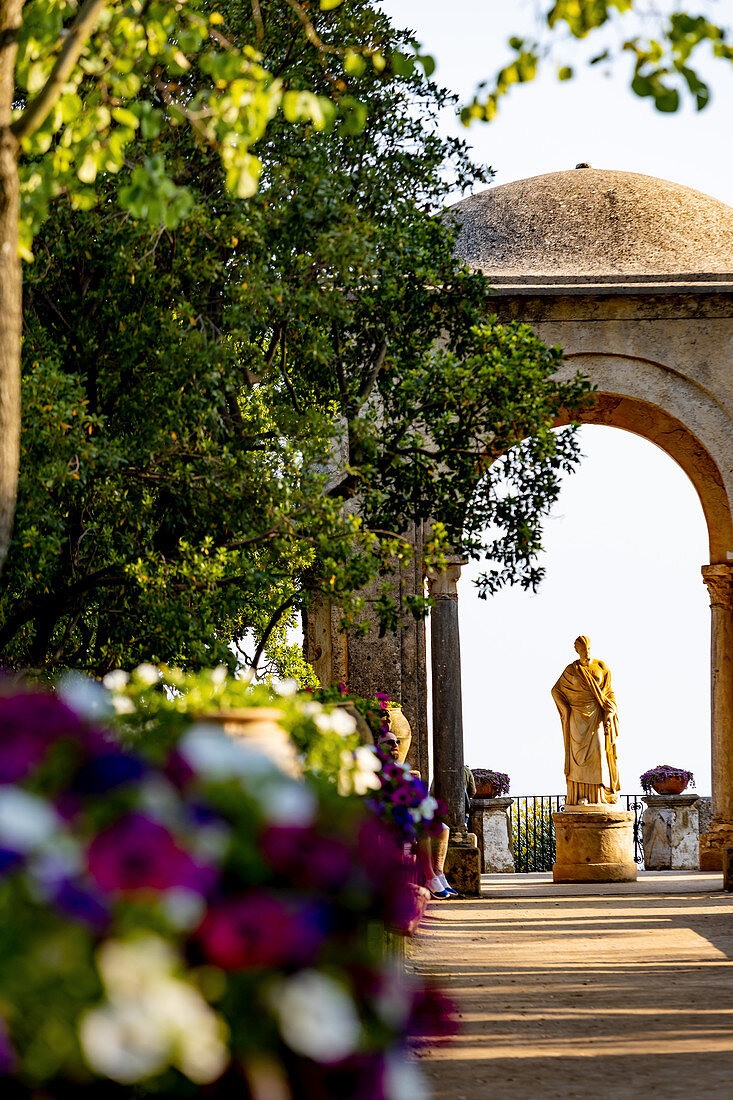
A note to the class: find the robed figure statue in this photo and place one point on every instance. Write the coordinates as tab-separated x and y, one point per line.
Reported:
587	707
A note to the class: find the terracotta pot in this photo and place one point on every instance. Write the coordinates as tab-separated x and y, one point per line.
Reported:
400	727
259	728
670	786
485	789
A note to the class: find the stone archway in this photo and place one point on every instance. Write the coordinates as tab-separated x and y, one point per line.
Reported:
633	278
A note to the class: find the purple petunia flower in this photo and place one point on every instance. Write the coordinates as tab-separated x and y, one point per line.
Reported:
137	853
306	857
9	860
29	722
104	773
259	930
81	903
7	1054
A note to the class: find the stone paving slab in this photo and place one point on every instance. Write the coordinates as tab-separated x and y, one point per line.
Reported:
584	991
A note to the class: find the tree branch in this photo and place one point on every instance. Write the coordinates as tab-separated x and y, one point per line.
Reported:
78	35
274	620
368	384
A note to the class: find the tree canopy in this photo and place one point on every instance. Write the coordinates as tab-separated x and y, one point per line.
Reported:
232	414
665	48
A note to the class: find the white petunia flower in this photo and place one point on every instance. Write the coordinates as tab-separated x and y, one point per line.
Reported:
359	771
116	680
84	695
427	808
342	722
214	754
123	705
287	802
184	909
286	688
317	1017
26	821
123	1043
151	1019
147	674
403	1080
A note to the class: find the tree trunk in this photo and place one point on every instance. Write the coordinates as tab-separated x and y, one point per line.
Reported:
10	277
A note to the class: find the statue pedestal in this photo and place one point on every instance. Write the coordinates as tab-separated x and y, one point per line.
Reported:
490	823
463	864
671	830
594	844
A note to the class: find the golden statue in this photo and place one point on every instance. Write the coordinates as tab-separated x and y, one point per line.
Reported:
587	706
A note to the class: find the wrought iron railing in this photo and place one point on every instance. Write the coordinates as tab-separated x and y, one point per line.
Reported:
533	832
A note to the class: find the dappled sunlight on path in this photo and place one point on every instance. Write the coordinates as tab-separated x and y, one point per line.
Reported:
584	991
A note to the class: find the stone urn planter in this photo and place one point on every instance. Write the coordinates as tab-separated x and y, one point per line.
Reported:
486	789
670	786
490	784
400	727
666	779
259	729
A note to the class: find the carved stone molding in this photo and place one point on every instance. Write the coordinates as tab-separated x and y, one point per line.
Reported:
719	580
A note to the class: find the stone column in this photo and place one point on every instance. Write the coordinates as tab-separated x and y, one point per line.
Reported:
719	579
445	643
463	865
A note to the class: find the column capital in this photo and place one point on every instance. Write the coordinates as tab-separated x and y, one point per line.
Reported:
719	581
443	584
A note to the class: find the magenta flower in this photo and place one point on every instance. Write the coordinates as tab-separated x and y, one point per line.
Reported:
259	930
7	1054
305	857
29	722
137	853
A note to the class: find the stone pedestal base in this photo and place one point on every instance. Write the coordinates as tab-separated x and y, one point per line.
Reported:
727	855
712	843
490	822
463	865
671	831
594	844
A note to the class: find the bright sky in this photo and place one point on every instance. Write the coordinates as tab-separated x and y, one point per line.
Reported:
625	544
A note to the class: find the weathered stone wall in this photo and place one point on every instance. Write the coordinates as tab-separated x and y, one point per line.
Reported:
369	664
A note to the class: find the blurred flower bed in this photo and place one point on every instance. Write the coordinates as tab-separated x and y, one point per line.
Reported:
177	914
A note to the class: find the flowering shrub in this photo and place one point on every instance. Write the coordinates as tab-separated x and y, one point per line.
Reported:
404	803
661	772
498	780
373	711
153	705
189	916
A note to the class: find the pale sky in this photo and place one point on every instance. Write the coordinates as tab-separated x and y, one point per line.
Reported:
625	543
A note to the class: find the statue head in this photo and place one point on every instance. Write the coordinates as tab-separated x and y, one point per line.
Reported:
582	647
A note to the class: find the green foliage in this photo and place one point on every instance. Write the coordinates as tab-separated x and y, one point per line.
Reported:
533	836
261	411
663	68
155	705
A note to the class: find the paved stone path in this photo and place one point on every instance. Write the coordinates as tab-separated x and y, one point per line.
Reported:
600	992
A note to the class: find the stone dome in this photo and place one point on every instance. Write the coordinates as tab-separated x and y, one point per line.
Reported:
591	225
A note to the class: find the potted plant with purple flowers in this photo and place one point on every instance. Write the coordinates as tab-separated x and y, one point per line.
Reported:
490	784
666	779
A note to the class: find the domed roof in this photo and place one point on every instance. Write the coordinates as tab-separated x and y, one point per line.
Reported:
591	225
